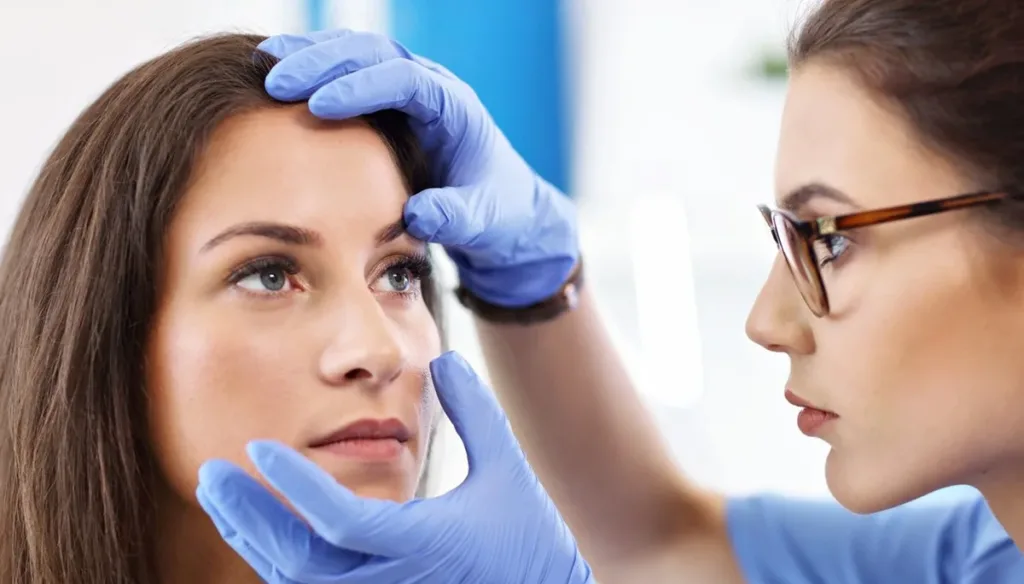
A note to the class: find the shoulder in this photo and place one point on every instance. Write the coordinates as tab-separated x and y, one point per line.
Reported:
992	556
932	541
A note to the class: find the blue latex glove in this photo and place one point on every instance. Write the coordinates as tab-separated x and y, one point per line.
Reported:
511	234
499	526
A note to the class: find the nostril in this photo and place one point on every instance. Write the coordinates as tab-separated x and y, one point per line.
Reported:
357	374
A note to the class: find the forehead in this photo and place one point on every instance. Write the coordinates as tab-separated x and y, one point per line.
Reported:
284	165
837	133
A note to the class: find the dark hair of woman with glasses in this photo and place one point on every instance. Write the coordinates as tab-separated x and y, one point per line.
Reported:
898	297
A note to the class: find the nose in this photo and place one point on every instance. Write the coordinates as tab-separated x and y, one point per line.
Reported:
778	321
365	349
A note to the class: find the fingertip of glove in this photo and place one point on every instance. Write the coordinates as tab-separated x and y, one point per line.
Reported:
282	45
419	228
205	501
337	101
219	521
274	47
261	451
423	218
449	364
280	85
320	105
212	472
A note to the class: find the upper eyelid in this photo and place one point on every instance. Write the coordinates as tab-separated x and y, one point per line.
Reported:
251	266
293	266
831	237
843	234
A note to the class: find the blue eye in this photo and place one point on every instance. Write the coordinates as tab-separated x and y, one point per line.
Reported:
267	275
266	280
398	279
404	275
830	247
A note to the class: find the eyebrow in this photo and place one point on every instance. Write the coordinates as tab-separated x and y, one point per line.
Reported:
801	196
391	232
293	235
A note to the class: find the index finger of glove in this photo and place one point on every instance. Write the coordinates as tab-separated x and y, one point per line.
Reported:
260	525
346	520
398	84
474	412
282	45
300	73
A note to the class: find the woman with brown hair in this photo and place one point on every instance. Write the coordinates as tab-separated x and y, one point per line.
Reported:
897	295
197	266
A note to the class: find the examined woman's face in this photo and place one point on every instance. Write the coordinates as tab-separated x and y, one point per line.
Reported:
291	309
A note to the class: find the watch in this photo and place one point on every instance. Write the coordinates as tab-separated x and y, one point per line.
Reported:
565	300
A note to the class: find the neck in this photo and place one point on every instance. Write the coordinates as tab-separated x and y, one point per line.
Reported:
1004	498
191	551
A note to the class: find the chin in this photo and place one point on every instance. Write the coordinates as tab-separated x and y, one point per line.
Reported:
390	480
385	485
399	493
870	486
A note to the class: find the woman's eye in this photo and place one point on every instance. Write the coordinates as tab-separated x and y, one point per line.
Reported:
831	247
398	279
271	279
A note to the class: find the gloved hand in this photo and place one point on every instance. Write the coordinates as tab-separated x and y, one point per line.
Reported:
498	526
511	234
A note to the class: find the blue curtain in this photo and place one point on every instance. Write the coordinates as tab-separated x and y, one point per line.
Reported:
317	14
511	52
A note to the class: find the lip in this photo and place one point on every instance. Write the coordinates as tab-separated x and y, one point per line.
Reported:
802	403
367	439
811	419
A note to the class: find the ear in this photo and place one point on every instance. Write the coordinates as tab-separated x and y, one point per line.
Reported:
996	257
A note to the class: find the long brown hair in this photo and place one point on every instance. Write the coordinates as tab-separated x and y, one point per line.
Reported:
953	68
77	293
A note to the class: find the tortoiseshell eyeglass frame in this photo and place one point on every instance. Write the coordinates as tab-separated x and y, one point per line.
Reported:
795	237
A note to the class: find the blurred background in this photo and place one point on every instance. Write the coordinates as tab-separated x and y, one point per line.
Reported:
658	118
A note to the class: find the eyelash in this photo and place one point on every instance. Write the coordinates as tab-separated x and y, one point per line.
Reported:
418	267
826	243
262	264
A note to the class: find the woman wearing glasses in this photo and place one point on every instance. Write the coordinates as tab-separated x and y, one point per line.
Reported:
897	295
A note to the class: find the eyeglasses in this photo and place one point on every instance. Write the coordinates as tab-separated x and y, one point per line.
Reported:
796	237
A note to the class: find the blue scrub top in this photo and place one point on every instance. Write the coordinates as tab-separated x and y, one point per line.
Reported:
780	540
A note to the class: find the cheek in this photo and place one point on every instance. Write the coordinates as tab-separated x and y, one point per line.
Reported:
925	374
425	347
422	345
910	331
214	385
220	378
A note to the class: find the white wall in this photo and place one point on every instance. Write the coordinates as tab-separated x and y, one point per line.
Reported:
669	119
59	55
